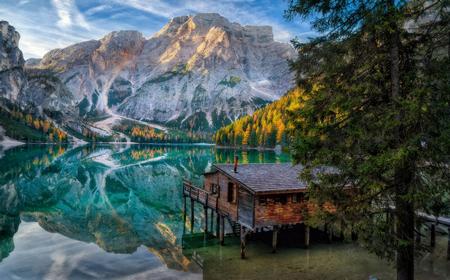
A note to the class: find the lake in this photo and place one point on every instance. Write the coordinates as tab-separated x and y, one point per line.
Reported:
115	212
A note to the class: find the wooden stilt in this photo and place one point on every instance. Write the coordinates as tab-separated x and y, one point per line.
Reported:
433	235
217	224
222	230
448	243
243	241
192	216
418	235
306	236
274	239
330	234
211	218
184	214
206	218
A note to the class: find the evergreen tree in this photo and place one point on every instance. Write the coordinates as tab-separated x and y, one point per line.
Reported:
376	107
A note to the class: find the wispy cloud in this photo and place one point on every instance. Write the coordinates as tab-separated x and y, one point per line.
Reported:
49	24
69	14
97	9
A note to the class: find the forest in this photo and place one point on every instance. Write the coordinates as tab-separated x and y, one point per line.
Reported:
26	127
267	127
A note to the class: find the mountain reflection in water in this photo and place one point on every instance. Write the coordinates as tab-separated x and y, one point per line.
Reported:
126	200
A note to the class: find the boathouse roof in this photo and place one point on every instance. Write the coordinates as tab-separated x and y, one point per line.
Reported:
266	177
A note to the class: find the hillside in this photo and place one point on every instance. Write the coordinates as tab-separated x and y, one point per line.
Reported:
267	127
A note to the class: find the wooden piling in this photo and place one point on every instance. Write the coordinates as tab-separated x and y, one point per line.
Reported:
329	234
306	236
217	224
418	235
205	209
184	213
243	242
274	239
211	218
433	235
222	230
192	215
448	243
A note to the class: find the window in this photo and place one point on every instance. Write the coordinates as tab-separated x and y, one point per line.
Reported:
214	189
231	193
297	198
281	199
262	200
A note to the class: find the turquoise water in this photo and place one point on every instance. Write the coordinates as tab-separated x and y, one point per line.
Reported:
115	212
100	211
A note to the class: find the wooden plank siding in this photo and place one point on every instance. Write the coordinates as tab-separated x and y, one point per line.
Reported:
278	213
246	208
224	207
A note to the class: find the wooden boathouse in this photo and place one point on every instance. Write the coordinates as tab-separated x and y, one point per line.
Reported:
251	197
261	197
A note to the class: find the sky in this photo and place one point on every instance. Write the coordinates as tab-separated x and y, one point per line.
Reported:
48	24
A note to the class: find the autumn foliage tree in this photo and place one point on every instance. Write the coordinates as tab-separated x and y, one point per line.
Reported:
267	127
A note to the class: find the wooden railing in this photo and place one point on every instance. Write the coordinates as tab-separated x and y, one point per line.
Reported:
199	195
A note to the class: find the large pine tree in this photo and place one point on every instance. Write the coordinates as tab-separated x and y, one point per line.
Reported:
376	106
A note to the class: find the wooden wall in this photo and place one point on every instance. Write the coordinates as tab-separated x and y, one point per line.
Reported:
276	213
224	205
265	214
245	207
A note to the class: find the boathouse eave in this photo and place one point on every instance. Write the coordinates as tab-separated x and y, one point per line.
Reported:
232	178
252	191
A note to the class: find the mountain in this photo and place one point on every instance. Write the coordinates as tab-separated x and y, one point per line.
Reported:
12	77
266	128
197	72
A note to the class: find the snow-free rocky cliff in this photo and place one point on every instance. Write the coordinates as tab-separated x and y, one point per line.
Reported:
198	72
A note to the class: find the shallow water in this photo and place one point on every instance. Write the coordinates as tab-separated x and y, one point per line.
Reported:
115	212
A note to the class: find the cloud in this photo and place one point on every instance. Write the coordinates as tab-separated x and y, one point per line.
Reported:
50	24
242	11
69	14
97	9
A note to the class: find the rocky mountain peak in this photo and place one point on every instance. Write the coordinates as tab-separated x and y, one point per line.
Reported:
11	62
10	54
198	73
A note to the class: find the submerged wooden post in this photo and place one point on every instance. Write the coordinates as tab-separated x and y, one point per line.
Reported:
192	215
206	218
448	243
217	224
184	213
433	235
306	236
212	221
243	248
330	234
418	235
222	230
274	239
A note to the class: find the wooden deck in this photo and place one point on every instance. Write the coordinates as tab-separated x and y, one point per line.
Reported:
200	195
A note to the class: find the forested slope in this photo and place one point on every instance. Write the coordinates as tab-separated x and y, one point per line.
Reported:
267	127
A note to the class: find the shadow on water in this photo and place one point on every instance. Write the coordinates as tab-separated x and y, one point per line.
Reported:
110	211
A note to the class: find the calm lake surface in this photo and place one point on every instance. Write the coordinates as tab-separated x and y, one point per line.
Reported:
115	212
